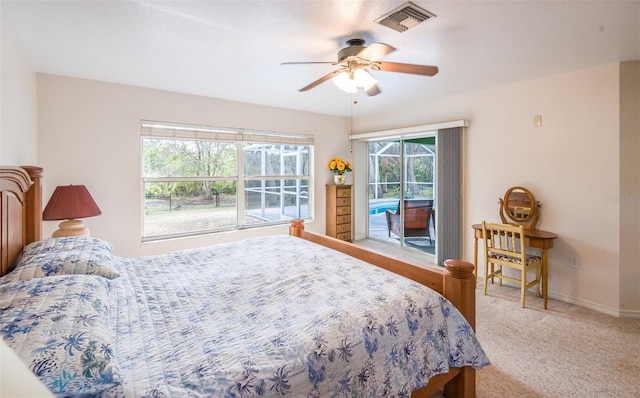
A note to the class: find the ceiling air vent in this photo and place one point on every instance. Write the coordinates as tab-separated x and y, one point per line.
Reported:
404	17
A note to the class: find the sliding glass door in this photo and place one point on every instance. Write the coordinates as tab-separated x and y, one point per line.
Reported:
401	203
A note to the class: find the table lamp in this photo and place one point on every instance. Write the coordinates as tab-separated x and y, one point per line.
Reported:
70	202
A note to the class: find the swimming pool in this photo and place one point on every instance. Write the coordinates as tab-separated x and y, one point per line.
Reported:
381	207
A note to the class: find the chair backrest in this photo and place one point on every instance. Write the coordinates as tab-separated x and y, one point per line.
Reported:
417	217
417	212
504	240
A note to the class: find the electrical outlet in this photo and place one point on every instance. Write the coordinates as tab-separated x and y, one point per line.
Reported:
574	261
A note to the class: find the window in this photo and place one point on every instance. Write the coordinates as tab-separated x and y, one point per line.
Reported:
192	184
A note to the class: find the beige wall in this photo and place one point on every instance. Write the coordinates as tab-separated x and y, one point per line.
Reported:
629	186
571	164
18	117
89	133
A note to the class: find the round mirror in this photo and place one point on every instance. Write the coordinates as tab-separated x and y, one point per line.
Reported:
519	204
519	207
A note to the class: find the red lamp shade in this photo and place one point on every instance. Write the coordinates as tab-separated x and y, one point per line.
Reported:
70	202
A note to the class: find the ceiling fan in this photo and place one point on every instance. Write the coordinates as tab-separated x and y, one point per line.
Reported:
356	60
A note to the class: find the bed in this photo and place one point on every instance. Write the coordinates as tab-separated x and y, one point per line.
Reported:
303	315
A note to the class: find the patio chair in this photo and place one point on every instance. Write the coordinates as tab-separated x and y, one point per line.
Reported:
417	218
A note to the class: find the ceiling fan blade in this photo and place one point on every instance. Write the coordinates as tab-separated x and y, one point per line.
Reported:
304	63
375	51
374	90
408	68
321	80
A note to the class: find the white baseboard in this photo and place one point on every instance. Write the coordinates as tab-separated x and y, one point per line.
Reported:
618	313
633	314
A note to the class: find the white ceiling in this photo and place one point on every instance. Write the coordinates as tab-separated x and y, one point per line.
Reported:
233	49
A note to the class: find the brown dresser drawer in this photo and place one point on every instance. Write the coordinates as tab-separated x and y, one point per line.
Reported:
339	211
342	228
343	202
343	210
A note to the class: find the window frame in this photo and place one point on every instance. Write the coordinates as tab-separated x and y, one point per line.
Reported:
186	132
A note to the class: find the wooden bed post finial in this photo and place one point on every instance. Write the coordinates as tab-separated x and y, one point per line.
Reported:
296	227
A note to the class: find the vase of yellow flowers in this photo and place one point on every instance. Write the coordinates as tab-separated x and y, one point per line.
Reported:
339	166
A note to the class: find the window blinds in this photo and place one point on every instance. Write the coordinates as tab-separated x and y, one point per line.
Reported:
181	131
448	194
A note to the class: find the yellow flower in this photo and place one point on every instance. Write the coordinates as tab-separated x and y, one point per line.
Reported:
339	166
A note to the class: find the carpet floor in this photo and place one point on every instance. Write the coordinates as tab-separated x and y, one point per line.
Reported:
564	351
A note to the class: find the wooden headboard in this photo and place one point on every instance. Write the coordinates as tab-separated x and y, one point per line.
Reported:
20	211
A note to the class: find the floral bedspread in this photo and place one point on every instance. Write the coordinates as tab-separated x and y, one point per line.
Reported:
281	316
266	316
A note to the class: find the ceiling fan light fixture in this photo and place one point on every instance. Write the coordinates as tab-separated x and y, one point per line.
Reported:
355	63
343	81
350	82
363	79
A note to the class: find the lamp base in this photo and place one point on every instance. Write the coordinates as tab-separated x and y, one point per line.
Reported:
71	228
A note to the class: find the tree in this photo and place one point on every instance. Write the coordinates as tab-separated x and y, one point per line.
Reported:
189	158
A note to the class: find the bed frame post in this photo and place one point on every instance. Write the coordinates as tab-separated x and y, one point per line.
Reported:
460	289
33	203
296	227
19	223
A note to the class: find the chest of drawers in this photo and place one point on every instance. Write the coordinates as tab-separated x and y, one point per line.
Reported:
339	211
